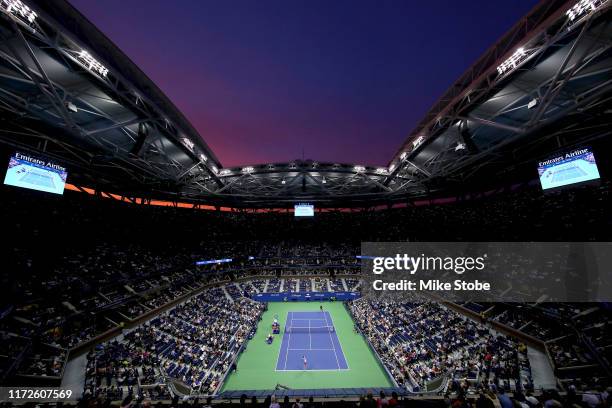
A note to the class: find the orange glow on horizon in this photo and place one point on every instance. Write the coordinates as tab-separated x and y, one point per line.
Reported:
208	207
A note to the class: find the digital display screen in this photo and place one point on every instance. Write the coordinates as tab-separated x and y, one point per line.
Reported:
303	210
36	174
569	168
214	261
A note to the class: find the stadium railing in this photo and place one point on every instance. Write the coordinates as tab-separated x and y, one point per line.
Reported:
229	369
437	385
326	394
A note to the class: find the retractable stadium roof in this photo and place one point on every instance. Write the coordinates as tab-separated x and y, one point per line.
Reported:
67	92
548	78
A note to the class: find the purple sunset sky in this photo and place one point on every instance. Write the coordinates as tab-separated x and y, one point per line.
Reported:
340	80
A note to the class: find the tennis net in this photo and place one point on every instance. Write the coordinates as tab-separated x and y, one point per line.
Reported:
309	329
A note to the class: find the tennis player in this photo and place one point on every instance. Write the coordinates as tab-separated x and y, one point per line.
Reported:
305	362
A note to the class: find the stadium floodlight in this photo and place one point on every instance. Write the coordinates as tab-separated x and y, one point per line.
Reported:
359	169
19	9
403	155
203	158
391	168
513	61
215	169
225	172
71	107
532	103
188	143
583	8
417	142
381	170
92	64
248	169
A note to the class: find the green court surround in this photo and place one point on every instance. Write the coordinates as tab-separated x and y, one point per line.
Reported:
257	364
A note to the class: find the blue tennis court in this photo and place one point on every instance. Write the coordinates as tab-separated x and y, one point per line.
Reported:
310	334
568	173
38	179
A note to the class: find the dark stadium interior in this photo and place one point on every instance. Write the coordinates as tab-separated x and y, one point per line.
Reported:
152	278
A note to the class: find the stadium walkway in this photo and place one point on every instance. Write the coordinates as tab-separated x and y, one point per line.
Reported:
74	374
541	370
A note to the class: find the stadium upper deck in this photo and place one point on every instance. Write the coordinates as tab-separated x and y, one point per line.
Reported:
69	93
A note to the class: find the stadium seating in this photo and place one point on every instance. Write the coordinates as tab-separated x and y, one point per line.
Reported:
104	282
193	343
423	340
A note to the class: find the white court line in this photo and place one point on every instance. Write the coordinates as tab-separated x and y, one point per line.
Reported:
291	319
306	319
310	370
309	336
288	343
332	340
